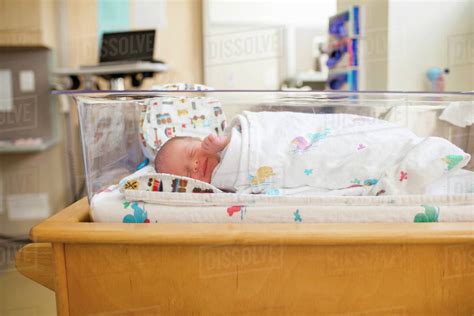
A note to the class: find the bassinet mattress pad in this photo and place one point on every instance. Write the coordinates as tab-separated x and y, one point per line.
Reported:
449	200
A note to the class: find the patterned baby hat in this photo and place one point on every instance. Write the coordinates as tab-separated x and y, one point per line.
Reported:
165	117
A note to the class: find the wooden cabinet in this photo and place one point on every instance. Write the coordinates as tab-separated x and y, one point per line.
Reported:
25	27
28	23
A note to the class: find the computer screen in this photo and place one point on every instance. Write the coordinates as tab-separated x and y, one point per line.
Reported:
134	45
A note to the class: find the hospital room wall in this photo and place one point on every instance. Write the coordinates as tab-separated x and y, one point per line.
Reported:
30	183
33	23
261	44
430	34
178	42
402	39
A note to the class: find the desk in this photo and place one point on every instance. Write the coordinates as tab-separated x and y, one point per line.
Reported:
115	73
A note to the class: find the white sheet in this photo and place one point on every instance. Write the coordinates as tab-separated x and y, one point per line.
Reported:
451	200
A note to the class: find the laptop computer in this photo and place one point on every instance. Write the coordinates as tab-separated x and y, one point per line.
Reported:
126	48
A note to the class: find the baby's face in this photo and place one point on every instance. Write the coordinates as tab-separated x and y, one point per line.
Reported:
185	157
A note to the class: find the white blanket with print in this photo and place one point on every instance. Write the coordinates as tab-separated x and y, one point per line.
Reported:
283	153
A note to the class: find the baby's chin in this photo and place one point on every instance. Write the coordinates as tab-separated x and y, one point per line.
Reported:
206	179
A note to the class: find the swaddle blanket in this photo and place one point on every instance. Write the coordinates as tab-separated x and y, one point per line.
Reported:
282	153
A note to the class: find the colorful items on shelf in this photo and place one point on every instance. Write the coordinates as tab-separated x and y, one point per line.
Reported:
343	62
435	76
343	53
345	24
343	81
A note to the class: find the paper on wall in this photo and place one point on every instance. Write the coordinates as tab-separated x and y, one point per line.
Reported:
28	206
27	81
6	90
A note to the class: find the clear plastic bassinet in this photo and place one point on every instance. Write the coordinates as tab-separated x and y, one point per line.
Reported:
112	121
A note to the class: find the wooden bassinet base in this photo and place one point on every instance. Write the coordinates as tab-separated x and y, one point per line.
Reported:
251	269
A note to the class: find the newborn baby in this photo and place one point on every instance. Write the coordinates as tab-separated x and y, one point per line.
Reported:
282	153
191	157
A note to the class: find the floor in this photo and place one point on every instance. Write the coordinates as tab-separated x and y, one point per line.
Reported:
20	296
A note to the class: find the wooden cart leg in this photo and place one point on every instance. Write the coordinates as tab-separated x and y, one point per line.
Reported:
62	300
35	261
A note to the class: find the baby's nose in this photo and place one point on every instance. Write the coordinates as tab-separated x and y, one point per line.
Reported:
195	165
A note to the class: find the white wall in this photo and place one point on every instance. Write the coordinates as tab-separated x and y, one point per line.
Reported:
304	13
424	34
251	58
256	44
402	39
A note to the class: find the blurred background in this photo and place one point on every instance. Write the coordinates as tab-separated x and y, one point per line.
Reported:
226	44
